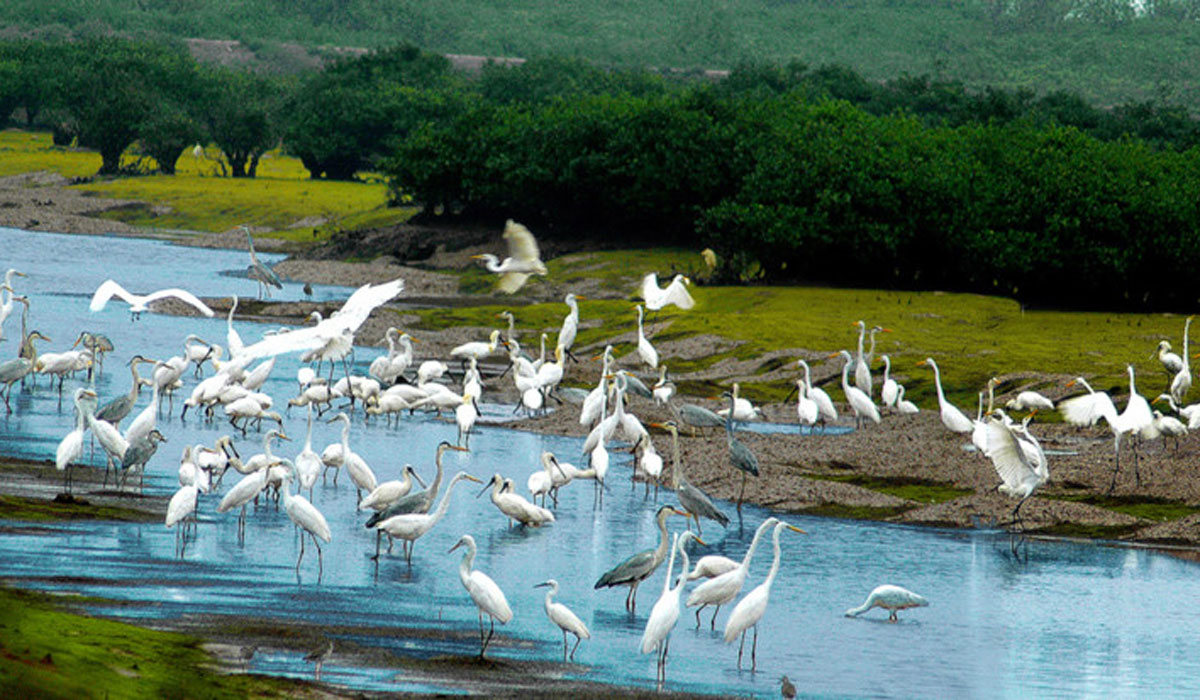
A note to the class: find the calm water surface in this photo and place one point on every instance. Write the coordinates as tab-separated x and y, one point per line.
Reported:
1074	620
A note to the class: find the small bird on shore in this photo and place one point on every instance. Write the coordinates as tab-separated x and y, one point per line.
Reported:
319	656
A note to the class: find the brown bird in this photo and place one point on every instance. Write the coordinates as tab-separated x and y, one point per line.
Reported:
787	690
320	656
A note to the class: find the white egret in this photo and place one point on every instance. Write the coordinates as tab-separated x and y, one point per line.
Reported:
1029	401
70	448
523	259
674	293
712	566
182	508
889	392
139	303
862	365
566	620
1135	420
663	389
1088	409
743	410
360	473
952	417
903	405
890	598
1181	383
1022	469
1171	362
546	481
1190	414
665	613
486	595
306	516
570	324
242	493
411	526
723	588
859	400
645	350
827	412
640	566
308	462
1169	426
806	409
750	609
477	349
14	370
515	506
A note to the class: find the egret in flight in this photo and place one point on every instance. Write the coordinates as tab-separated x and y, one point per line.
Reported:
523	259
139	303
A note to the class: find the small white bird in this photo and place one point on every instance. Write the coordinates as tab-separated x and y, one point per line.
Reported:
566	620
890	393
890	598
138	303
903	405
1029	401
486	595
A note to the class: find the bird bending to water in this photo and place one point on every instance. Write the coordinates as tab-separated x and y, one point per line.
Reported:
139	303
566	620
486	595
890	598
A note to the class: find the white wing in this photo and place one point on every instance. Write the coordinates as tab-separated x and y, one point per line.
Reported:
650	290
1088	409
182	295
677	294
1007	456
108	290
510	282
521	243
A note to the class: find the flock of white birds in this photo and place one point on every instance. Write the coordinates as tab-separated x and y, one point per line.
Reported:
401	512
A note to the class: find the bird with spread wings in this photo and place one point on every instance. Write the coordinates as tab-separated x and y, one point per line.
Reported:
523	259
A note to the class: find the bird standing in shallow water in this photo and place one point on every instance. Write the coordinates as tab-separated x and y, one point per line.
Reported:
486	595
890	598
566	620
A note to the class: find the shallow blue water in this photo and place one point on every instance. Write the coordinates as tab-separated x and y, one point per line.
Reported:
1074	620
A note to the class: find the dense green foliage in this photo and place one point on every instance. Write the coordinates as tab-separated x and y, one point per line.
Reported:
1102	48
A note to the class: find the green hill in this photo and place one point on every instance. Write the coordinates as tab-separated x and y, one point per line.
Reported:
1102	49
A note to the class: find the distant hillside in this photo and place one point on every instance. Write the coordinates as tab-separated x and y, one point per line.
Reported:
1102	49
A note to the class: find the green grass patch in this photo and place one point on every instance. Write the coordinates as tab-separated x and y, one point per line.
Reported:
1155	509
919	490
43	510
1091	532
46	652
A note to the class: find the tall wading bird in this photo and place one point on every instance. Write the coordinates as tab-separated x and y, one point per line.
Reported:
139	303
16	369
306	516
695	501
570	325
722	589
259	272
1181	383
640	566
412	526
484	592
566	620
890	598
889	393
665	613
70	449
645	350
523	259
860	401
750	610
952	417
740	456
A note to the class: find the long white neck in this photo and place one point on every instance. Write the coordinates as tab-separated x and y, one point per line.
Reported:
468	560
762	529
1132	386
807	377
683	569
267	448
937	379
346	440
670	567
862	334
445	503
778	552
887	368
846	371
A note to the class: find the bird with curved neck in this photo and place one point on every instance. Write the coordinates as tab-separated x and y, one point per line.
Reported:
750	609
640	566
722	589
952	417
411	526
693	499
890	598
740	456
484	592
564	618
860	401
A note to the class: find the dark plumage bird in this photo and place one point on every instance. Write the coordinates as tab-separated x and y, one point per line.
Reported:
139	453
740	456
695	501
640	566
415	502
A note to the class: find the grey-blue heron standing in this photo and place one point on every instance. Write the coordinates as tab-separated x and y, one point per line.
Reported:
740	456
640	566
694	500
260	273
